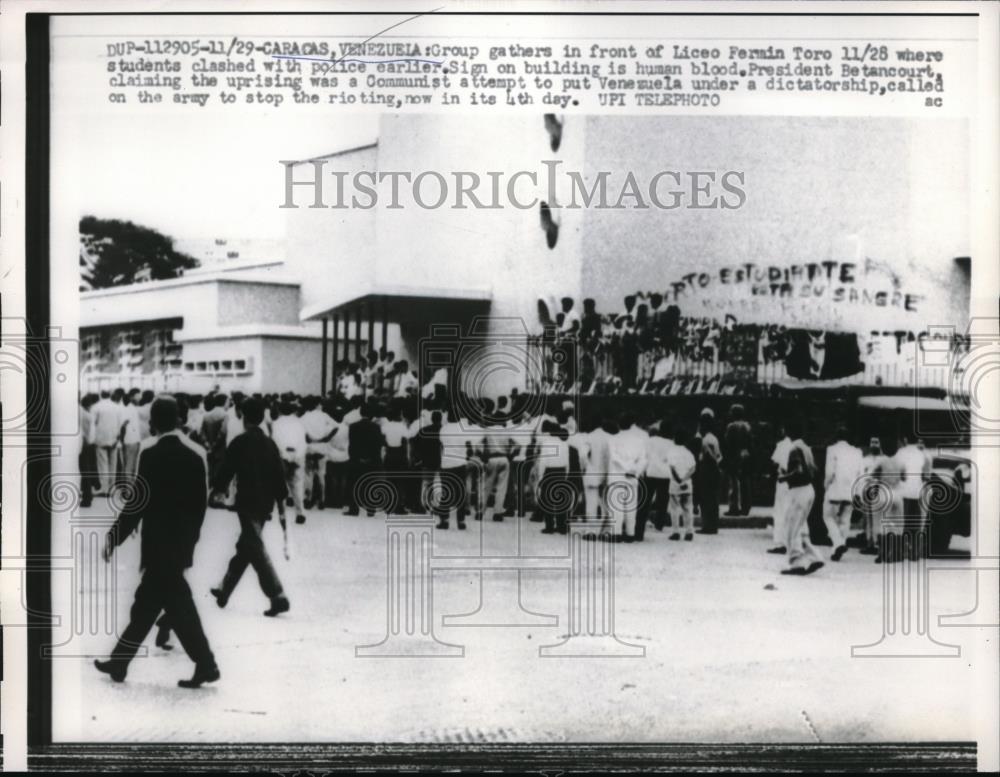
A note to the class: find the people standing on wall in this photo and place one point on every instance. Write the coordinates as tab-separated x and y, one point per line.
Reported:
708	473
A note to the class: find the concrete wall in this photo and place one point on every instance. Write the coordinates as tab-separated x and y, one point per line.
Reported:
257	303
331	251
290	365
817	190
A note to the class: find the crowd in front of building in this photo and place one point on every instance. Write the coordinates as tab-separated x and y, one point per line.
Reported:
465	458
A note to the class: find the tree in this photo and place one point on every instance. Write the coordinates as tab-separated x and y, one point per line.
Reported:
117	253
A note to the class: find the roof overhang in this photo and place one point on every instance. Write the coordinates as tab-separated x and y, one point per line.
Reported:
404	304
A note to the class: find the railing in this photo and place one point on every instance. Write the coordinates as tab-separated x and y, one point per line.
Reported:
558	363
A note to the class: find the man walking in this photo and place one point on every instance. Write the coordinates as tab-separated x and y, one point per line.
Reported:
171	509
844	465
780	460
254	460
289	435
803	558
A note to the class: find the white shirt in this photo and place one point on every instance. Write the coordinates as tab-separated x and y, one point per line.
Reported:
628	452
290	437
234	425
496	441
107	422
395	432
406	384
133	424
844	465
600	452
658	457
781	451
317	424
553	453
681	460
337	451
454	436
910	462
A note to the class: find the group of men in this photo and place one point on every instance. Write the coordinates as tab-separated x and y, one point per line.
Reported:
456	459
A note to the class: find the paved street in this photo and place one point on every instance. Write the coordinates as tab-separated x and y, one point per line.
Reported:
734	651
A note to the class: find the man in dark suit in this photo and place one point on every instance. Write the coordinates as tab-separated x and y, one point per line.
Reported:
254	459
364	450
170	501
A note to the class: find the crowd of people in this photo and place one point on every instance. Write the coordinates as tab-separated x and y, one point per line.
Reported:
456	458
649	347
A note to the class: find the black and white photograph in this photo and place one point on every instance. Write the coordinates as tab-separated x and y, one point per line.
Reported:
501	386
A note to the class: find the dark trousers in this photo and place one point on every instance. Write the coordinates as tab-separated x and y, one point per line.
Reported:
658	498
553	505
250	551
708	500
395	466
357	470
88	473
164	589
336	483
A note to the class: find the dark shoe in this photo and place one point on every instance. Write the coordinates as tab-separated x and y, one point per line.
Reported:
279	604
116	670
479	516
201	676
371	513
813	567
838	553
564	530
878	559
536	519
869	551
794	571
352	512
163	639
688	537
498	518
780	550
675	536
461	525
86	503
300	519
628	538
442	525
707	531
221	598
547	530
